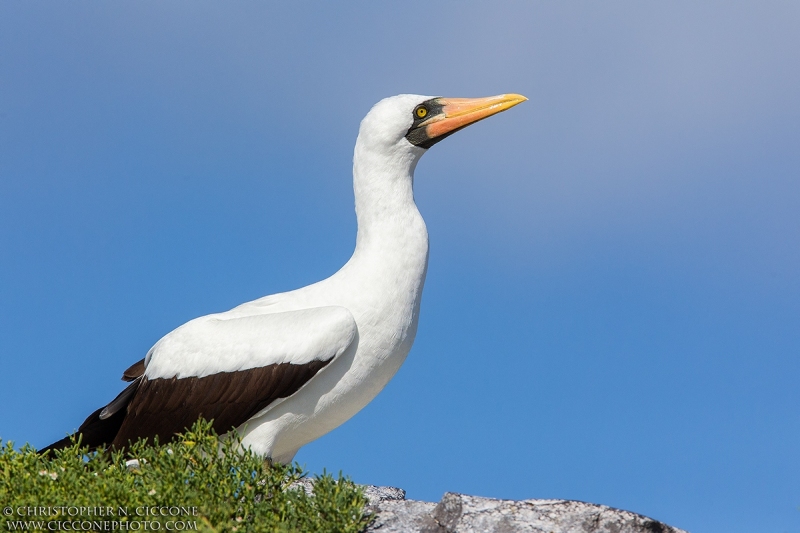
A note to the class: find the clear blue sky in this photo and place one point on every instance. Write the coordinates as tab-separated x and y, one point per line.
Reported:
612	306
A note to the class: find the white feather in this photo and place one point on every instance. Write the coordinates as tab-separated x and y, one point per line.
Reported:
219	343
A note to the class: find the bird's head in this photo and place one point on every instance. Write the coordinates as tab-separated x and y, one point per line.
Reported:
392	138
408	124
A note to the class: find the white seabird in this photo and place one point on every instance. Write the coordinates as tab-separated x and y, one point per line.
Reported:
285	369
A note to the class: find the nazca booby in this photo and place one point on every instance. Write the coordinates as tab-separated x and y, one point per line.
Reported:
285	369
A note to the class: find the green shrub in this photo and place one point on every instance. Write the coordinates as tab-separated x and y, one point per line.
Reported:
197	482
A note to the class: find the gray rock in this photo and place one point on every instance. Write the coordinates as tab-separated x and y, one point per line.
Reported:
401	515
373	493
376	495
457	513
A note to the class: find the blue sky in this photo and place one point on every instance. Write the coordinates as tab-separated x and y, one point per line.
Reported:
612	306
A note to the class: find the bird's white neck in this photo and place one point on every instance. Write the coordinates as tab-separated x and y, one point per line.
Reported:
388	267
388	218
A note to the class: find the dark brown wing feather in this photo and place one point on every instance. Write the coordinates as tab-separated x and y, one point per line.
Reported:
96	431
165	407
134	371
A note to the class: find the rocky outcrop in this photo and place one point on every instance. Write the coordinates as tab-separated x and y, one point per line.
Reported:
458	513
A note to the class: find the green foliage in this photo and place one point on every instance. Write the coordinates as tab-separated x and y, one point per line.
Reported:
197	482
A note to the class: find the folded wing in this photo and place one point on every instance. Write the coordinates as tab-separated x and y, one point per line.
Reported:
220	368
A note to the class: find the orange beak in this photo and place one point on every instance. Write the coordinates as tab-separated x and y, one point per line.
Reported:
458	113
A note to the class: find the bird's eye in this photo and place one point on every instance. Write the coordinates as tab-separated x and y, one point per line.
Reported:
421	112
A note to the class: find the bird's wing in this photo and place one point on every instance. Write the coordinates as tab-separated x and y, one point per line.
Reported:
228	369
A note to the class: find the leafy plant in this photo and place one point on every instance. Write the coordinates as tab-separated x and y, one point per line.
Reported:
199	481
